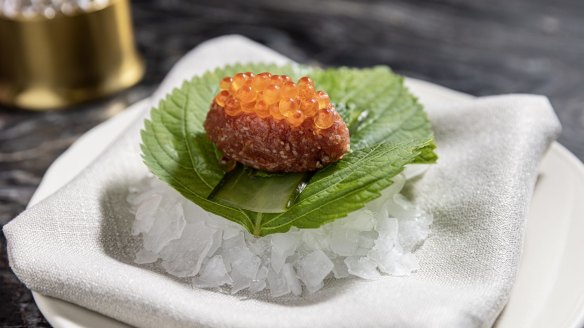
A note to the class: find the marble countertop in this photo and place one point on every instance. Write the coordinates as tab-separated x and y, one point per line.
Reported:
478	47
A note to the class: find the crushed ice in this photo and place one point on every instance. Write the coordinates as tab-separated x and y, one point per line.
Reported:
190	242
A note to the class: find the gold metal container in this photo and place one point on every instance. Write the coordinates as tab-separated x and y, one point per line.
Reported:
53	63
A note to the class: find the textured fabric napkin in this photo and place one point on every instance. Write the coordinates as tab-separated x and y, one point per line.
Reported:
76	244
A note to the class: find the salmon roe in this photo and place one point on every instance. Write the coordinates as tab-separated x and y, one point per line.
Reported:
276	97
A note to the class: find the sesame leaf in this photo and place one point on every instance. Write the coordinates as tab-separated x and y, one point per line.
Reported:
388	128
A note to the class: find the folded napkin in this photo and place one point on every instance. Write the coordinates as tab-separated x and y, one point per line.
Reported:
76	244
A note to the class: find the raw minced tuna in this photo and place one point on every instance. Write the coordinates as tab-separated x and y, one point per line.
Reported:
273	124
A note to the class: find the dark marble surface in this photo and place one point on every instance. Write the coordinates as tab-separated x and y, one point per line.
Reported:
479	47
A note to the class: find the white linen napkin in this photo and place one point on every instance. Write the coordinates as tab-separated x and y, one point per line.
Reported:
76	244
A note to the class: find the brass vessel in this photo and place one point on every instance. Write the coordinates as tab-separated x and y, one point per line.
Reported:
53	63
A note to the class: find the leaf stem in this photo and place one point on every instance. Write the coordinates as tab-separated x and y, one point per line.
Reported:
257	224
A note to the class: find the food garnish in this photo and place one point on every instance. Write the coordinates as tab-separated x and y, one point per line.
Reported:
388	130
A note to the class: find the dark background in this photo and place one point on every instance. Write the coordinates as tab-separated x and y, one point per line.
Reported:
475	46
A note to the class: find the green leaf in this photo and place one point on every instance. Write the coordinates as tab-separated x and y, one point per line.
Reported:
389	129
380	108
344	187
256	190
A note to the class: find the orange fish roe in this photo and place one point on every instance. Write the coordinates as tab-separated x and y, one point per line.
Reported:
324	118
277	97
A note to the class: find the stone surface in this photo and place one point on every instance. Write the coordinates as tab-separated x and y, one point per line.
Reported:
479	47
